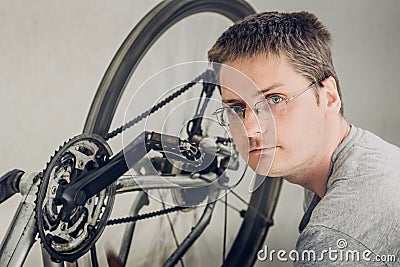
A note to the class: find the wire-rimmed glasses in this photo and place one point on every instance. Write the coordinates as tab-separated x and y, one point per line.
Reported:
271	106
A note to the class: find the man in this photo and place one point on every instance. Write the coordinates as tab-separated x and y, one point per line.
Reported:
290	124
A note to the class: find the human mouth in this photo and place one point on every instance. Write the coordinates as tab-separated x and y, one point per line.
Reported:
262	150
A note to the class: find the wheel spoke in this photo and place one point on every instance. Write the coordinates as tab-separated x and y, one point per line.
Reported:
171	226
225	226
231	206
239	197
248	205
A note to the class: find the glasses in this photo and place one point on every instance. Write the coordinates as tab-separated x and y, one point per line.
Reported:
272	106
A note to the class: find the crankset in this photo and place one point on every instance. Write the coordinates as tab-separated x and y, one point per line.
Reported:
77	188
67	237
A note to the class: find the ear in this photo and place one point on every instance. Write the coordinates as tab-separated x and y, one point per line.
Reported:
331	96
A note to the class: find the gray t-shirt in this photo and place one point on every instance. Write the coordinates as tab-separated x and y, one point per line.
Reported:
357	221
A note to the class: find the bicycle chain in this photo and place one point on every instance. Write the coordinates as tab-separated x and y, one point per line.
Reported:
203	76
207	75
144	216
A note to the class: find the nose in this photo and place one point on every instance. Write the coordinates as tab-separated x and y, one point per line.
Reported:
253	124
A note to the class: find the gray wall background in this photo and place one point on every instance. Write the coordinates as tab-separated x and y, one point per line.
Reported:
53	55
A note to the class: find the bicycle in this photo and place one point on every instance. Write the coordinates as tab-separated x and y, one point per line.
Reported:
78	190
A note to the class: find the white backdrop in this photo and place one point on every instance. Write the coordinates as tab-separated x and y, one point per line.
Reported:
53	55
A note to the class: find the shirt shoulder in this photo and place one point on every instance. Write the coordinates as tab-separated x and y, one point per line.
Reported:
319	245
362	197
363	153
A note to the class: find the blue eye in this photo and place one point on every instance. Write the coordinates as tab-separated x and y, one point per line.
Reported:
237	109
275	99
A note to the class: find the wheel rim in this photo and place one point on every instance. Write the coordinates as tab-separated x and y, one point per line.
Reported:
253	229
141	39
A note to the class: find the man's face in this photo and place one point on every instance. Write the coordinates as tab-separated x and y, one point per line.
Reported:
286	142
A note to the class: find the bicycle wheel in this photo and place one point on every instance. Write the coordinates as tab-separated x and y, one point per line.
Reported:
260	207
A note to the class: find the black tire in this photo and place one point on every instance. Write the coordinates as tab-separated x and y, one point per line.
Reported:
258	216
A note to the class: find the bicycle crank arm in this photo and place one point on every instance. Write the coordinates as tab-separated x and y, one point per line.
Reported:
79	191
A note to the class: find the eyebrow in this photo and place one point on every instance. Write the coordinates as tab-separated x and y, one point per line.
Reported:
259	92
269	88
230	101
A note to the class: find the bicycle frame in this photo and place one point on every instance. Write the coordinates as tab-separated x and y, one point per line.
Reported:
257	216
22	232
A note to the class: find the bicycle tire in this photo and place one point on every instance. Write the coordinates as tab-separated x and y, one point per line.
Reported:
254	227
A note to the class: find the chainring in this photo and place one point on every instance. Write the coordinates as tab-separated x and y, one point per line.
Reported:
70	238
